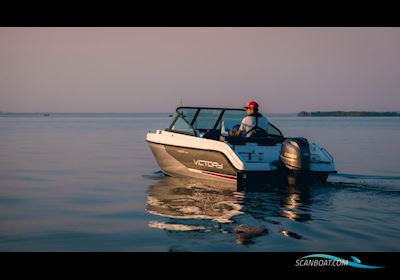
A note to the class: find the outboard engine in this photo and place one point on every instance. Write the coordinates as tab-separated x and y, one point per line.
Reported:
295	154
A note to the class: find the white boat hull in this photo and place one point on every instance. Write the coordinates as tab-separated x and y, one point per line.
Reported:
182	155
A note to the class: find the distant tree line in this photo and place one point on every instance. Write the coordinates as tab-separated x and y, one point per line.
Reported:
347	114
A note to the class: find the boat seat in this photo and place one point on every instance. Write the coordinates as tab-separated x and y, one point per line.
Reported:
213	134
261	141
265	141
236	140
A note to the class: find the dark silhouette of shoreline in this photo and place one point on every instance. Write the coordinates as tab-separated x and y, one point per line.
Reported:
347	114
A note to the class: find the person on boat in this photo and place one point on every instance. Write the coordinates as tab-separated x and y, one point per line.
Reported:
252	123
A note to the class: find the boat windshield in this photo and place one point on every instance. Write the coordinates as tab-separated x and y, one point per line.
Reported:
190	119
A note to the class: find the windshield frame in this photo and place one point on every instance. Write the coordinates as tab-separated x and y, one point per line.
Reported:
190	124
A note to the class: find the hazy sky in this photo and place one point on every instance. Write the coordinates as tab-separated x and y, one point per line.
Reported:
151	69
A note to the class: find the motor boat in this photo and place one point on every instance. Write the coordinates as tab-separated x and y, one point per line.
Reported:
197	144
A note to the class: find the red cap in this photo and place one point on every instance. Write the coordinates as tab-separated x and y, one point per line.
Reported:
251	104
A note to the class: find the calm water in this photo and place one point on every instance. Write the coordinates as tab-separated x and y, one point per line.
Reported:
81	182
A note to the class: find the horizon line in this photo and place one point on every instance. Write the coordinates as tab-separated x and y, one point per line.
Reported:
169	112
49	112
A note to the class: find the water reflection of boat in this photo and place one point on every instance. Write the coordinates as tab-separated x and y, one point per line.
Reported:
189	206
294	199
177	198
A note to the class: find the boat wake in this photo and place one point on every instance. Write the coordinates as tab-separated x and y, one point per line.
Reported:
154	176
361	182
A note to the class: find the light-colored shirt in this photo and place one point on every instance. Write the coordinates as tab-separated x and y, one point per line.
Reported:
249	122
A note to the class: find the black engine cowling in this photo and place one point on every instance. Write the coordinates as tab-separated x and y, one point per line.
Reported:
295	154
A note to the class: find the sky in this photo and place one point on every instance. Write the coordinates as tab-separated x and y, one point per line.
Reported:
132	69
